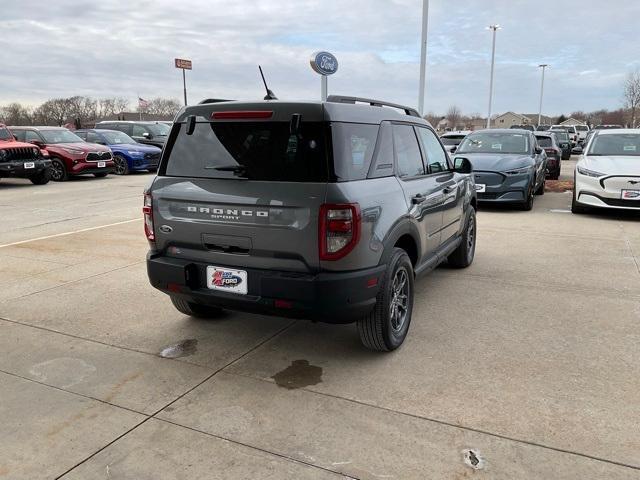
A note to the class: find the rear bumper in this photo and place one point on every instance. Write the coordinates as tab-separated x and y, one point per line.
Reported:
15	168
328	297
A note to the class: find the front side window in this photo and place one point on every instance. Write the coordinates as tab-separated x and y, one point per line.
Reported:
139	130
263	151
408	157
31	136
499	142
623	144
159	129
436	157
92	137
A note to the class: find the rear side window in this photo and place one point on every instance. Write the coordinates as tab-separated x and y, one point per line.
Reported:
353	146
263	151
408	156
545	142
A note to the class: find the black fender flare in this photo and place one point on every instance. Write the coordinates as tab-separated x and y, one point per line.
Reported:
403	226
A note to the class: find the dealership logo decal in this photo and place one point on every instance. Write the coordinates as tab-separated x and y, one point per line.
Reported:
226	279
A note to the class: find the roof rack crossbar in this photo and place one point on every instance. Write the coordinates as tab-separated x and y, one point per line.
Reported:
374	103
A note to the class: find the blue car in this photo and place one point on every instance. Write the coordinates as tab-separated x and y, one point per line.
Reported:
128	154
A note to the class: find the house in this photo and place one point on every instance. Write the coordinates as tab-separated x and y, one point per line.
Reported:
569	122
508	119
533	119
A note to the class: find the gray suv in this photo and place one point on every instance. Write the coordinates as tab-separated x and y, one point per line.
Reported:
318	210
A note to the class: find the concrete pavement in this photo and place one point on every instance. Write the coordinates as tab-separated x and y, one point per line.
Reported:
523	366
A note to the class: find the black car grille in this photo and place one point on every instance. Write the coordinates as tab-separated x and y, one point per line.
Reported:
488	196
19	153
98	156
152	157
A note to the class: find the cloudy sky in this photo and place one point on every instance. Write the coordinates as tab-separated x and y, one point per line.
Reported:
126	48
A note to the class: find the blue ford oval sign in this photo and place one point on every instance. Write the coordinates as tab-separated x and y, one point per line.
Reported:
324	63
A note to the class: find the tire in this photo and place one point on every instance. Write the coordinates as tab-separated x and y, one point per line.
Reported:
463	256
122	166
100	175
41	178
540	190
378	330
58	171
194	309
527	205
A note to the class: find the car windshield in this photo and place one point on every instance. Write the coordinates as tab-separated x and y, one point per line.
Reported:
488	142
60	136
618	144
159	129
582	128
5	134
561	135
545	141
114	138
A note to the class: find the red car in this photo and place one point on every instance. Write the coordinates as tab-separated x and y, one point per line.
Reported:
70	155
22	160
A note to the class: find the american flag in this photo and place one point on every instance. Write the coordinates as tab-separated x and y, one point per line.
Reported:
142	103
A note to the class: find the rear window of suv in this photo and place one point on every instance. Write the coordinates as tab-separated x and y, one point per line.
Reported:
262	151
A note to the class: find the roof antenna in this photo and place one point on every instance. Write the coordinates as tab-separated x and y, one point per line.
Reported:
270	95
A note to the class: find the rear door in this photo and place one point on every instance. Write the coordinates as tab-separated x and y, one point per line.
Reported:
451	184
243	192
423	193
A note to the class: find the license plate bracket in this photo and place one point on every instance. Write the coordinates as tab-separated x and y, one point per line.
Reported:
227	280
630	195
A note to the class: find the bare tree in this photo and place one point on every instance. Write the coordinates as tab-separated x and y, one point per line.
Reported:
454	115
111	106
162	106
432	118
15	114
632	95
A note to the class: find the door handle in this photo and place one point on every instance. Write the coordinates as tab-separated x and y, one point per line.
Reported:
450	188
419	198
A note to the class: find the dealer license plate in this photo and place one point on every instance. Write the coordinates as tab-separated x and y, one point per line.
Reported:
102	164
631	195
227	280
29	165
480	187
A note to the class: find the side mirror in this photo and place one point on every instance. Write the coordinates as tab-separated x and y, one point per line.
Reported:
462	165
146	135
453	149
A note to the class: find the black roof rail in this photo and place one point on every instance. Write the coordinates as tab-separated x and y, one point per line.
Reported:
214	100
374	103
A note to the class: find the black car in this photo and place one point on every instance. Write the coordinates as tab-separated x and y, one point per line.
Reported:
150	133
564	141
508	165
549	142
543	128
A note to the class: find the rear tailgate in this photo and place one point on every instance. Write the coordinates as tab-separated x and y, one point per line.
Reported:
266	225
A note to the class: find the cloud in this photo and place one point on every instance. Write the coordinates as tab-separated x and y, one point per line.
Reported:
118	47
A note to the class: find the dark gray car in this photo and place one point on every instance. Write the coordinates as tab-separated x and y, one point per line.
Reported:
508	164
149	133
314	210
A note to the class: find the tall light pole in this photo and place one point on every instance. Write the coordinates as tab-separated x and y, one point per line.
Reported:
542	66
495	28
423	55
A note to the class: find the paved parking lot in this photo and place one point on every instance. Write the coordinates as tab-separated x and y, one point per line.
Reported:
525	365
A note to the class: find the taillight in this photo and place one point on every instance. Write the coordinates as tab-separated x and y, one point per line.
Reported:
338	229
241	114
147	211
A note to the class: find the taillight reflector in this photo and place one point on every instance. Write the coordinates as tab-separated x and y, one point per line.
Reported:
241	114
147	211
338	230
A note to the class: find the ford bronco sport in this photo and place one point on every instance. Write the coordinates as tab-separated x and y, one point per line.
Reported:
22	160
324	211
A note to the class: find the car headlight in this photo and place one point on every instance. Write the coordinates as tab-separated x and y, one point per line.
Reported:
134	153
518	171
36	152
589	173
3	154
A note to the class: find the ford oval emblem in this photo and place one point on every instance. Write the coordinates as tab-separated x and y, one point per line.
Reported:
166	229
324	63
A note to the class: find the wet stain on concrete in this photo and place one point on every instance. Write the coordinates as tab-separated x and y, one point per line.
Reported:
180	349
298	375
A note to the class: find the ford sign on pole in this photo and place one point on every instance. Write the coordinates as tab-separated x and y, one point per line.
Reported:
324	64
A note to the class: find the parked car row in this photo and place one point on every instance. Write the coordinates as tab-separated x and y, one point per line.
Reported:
56	153
510	165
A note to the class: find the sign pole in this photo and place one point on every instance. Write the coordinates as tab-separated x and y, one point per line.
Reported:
324	64
323	87
184	86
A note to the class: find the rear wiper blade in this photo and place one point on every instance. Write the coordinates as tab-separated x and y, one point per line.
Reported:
239	170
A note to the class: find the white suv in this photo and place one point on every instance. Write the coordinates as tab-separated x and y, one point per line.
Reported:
571	130
582	133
